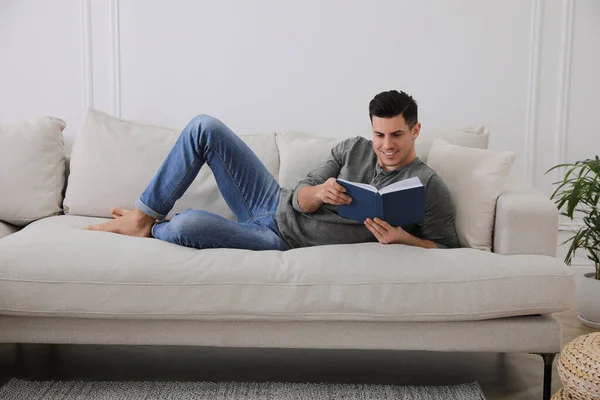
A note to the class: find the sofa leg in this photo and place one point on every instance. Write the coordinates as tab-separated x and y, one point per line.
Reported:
20	360
548	359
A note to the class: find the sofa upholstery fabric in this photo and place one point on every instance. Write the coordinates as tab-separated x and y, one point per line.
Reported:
526	221
79	273
475	179
113	160
535	334
7	229
32	164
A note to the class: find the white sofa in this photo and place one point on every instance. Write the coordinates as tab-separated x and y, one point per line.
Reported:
61	284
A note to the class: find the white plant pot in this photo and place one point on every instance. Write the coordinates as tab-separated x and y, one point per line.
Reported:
589	301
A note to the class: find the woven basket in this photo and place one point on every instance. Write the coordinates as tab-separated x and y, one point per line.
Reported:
579	368
561	395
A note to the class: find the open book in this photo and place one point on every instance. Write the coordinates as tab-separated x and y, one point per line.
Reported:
401	203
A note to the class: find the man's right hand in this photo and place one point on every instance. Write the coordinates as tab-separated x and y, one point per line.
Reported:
331	192
310	198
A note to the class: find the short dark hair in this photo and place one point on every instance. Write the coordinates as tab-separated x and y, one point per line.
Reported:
393	103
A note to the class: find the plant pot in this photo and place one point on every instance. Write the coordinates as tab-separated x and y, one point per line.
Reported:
589	301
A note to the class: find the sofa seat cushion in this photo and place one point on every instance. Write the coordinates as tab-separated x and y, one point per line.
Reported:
54	268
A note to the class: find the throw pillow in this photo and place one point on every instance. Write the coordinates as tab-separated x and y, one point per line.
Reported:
299	154
32	165
113	160
475	136
475	178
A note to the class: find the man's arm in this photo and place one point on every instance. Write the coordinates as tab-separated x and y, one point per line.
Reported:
310	198
316	188
387	234
439	225
437	230
412	240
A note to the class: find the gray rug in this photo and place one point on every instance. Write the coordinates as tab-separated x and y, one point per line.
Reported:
70	390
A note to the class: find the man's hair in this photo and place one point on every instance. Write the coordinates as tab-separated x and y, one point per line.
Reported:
393	103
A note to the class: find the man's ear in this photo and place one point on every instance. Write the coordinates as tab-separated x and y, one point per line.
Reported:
416	130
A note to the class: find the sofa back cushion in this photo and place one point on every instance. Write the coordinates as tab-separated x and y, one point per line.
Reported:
7	229
113	160
475	179
32	162
300	152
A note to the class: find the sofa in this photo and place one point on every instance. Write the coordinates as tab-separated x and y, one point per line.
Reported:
62	284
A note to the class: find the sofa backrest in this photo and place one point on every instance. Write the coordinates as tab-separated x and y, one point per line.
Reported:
113	160
300	152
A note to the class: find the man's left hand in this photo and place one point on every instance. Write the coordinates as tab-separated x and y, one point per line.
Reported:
384	232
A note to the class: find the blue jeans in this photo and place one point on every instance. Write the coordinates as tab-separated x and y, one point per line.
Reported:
249	189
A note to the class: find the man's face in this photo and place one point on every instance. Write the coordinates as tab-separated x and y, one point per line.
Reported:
394	141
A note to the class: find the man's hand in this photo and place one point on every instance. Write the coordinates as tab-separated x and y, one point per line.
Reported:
310	198
387	234
384	232
331	192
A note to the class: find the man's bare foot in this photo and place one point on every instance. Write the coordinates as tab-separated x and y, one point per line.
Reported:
118	212
132	223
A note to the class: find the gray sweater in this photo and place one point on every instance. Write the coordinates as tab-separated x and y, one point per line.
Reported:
355	160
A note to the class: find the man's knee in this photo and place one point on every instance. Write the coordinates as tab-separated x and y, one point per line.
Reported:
189	228
205	123
176	229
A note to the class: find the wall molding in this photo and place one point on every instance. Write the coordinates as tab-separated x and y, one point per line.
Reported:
115	40
86	55
569	226
564	84
537	15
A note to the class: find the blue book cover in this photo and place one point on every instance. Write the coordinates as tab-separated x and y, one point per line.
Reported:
401	203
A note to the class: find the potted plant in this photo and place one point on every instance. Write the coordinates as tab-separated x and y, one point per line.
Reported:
577	196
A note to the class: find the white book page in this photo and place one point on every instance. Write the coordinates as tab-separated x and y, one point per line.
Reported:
402	185
361	185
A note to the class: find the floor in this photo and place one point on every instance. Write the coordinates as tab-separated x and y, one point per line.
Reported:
501	376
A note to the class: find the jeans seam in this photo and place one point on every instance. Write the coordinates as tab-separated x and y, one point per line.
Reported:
233	180
180	182
262	215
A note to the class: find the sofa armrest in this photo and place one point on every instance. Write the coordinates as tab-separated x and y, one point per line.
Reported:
7	229
526	222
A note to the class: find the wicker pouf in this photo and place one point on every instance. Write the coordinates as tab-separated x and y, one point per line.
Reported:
561	395
579	369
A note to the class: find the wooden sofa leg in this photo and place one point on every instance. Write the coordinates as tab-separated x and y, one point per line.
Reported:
548	359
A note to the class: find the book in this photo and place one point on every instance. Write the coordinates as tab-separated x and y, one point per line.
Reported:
401	203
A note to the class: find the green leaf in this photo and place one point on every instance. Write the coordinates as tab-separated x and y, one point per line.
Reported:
574	199
558	166
574	246
576	196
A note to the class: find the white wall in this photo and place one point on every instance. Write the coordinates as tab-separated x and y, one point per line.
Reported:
527	69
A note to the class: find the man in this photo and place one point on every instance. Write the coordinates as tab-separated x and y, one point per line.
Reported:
273	218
